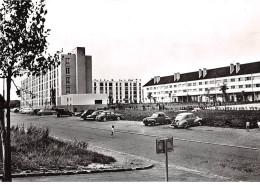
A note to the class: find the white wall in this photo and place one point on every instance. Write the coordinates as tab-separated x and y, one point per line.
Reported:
83	99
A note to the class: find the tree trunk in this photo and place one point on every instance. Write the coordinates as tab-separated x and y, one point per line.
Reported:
8	174
3	140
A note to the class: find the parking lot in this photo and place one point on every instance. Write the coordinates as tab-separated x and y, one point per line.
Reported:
227	152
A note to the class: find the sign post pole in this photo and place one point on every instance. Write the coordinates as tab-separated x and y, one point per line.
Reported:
166	161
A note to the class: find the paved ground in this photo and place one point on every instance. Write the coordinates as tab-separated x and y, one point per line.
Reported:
201	153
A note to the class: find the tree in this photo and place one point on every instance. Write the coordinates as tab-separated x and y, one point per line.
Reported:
149	96
223	89
23	39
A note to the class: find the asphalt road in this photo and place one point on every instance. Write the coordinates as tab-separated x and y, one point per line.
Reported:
200	153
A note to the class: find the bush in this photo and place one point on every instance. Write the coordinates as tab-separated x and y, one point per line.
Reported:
33	148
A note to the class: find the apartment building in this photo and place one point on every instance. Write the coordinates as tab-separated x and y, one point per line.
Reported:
70	84
120	91
242	81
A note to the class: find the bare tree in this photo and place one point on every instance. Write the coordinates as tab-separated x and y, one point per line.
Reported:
23	39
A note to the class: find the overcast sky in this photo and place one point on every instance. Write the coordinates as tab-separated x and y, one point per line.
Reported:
131	39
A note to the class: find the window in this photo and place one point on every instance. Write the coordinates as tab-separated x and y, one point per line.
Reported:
248	78
240	86
67	71
67	80
232	80
200	83
206	83
189	84
241	79
194	84
200	89
257	85
233	87
225	80
248	86
67	61
212	82
67	90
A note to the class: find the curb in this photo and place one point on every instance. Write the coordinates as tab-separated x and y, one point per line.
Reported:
22	175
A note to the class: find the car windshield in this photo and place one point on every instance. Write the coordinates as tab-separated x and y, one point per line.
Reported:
180	116
95	113
154	115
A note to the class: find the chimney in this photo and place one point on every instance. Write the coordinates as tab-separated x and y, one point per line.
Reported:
158	79
204	72
237	67
200	73
178	76
155	80
232	67
175	76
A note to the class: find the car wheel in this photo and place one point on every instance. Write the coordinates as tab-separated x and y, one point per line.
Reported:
146	124
104	119
200	123
118	118
169	122
153	123
185	125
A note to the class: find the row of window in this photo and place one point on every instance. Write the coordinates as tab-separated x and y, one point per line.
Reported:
204	83
206	89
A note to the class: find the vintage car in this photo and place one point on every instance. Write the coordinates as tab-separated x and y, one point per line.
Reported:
157	118
108	115
185	120
86	113
46	112
62	112
94	115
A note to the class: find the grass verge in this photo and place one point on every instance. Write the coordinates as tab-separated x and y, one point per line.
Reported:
33	149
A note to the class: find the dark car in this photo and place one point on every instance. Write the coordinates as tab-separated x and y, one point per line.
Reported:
62	112
35	111
86	113
185	120
46	112
108	115
158	117
94	115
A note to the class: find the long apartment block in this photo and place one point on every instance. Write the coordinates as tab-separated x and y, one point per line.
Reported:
242	80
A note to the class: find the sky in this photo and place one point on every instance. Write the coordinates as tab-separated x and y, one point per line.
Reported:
140	39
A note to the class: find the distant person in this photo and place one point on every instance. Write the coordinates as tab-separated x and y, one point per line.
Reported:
247	126
112	131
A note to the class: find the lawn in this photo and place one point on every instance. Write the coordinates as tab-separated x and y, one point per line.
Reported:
215	118
33	149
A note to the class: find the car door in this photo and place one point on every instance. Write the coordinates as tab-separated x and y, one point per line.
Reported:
160	118
188	119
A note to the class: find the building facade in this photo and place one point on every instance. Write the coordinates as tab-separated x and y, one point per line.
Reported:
242	82
72	77
121	91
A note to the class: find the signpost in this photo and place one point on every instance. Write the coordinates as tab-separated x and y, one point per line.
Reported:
164	145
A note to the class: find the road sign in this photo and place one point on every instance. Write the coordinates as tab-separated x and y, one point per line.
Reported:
160	145
164	145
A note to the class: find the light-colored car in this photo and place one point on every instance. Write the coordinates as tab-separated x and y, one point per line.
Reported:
26	110
185	120
46	112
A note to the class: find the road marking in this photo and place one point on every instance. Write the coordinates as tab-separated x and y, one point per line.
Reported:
176	138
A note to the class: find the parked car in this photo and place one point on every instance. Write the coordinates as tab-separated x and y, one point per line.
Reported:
15	110
35	111
184	120
78	113
86	113
26	110
196	109
94	115
61	112
158	117
46	112
108	115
